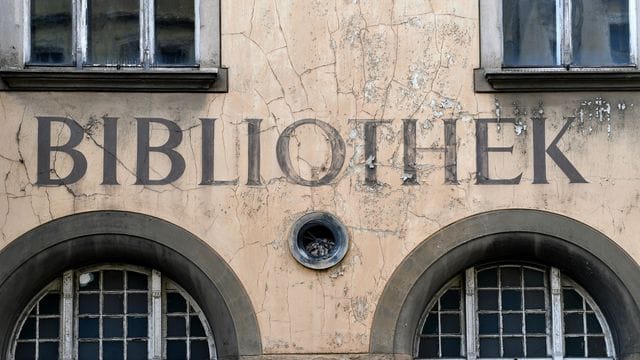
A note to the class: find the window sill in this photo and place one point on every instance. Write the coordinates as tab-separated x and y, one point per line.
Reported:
123	80
556	80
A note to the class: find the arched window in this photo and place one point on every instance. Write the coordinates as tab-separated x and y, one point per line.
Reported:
512	311
113	312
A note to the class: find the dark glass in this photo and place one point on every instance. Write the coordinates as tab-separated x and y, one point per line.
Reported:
529	32
571	300
137	327
49	328
510	277
536	347
431	324
596	346
512	323
50	304
487	299
113	350
112	328
199	350
195	327
137	303
533	278
174	32
28	329
489	347
593	325
513	347
450	323
25	351
136	281
88	303
488	278
450	346
600	32
176	349
88	328
176	326
573	347
176	303
113	35
113	280
51	32
488	324
93	284
137	349
573	324
428	348
113	304
450	300
87	351
511	300
534	299
535	324
48	350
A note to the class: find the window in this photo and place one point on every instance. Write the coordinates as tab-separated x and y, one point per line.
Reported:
557	45
113	313
513	311
113	33
113	45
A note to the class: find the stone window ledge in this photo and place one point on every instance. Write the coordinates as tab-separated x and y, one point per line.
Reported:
556	80
121	80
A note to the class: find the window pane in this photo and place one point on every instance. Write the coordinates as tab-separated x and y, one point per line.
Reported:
113	280
113	304
510	277
593	325
450	323
512	323
176	350
113	350
136	349
28	329
199	350
26	351
535	324
89	281
50	304
489	348
88	328
488	324
195	327
600	32
534	299
51	32
176	326
87	351
176	303
49	328
487	299
430	325
573	347
175	32
450	347
136	281
450	300
137	303
137	327
536	347
571	300
112	327
529	32
428	348
488	278
533	278
88	303
513	347
113	35
48	351
573	324
596	347
511	300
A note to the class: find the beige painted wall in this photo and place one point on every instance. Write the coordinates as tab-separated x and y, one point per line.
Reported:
333	61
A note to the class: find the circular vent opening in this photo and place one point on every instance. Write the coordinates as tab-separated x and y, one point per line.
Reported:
318	240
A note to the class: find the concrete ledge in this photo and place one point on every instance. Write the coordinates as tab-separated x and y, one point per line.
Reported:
115	80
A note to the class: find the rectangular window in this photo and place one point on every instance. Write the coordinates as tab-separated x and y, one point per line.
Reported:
569	33
113	33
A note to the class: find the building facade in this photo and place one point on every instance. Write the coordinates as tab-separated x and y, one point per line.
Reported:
261	179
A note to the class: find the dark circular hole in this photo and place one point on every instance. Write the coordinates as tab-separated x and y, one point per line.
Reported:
317	240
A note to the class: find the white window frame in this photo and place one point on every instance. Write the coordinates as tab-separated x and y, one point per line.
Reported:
491	39
206	45
67	287
469	321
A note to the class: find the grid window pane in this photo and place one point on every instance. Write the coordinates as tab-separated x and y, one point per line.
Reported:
113	35
174	32
51	32
529	32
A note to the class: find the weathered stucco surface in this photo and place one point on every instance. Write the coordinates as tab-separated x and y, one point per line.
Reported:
335	61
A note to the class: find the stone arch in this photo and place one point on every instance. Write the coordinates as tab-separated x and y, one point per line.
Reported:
31	261
601	266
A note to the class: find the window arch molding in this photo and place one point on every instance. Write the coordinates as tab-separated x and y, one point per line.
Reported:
600	266
34	259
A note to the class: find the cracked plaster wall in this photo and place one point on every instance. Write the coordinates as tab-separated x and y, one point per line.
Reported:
334	61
